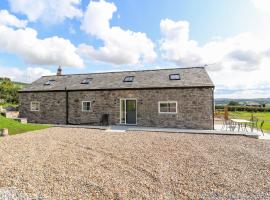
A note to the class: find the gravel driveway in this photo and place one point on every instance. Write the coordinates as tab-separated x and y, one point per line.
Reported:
69	163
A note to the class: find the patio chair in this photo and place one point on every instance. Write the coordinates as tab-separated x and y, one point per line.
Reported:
254	123
261	127
244	127
104	121
231	125
224	124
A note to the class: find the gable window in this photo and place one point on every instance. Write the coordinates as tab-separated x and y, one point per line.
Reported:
35	106
86	81
174	76
49	82
128	79
86	106
169	107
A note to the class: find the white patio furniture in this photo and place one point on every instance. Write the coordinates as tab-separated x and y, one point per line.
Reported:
241	124
228	125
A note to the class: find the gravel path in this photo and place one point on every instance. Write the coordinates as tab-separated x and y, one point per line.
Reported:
66	163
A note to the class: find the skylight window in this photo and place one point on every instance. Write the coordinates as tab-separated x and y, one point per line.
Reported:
49	82
174	76
86	81
128	79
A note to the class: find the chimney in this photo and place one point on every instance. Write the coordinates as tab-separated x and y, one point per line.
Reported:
59	71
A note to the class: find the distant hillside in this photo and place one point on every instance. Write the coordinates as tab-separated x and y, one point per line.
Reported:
18	84
225	101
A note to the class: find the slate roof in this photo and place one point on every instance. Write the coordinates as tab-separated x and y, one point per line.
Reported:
190	77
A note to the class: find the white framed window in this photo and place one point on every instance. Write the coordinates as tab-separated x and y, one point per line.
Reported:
35	106
167	107
86	106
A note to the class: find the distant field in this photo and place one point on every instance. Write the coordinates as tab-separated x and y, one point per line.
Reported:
19	84
247	115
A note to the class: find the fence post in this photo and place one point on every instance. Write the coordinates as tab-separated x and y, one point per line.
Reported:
226	113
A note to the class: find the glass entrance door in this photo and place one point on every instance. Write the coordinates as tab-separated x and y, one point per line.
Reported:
131	112
128	111
122	111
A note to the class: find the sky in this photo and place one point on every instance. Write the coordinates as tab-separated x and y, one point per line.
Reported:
230	38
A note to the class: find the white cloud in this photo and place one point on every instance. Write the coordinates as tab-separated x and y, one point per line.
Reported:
256	90
10	20
97	18
49	51
33	73
245	60
120	46
262	5
245	49
176	45
241	82
239	62
27	75
50	11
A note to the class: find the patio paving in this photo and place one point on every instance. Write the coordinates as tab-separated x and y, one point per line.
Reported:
123	128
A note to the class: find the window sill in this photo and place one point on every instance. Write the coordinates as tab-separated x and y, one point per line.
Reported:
172	113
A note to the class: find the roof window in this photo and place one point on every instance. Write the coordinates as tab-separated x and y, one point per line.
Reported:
49	82
174	76
86	81
128	79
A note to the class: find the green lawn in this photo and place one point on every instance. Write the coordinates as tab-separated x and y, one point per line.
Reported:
4	105
247	115
15	127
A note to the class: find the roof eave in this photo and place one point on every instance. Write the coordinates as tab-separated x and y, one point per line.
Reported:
109	89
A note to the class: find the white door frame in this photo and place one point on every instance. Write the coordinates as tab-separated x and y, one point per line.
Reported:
125	99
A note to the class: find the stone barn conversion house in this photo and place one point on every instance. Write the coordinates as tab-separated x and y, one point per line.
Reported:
180	97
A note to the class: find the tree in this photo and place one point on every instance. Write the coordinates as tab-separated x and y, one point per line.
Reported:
9	91
233	103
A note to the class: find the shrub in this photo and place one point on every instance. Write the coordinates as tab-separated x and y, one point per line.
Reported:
9	92
244	108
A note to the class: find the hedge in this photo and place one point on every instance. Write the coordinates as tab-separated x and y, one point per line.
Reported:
244	108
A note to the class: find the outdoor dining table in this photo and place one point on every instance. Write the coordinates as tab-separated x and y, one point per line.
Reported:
241	122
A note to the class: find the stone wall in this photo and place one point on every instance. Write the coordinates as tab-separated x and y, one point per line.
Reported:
52	107
12	114
195	107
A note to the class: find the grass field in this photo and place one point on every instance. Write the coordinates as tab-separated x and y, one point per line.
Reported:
19	84
15	127
262	116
